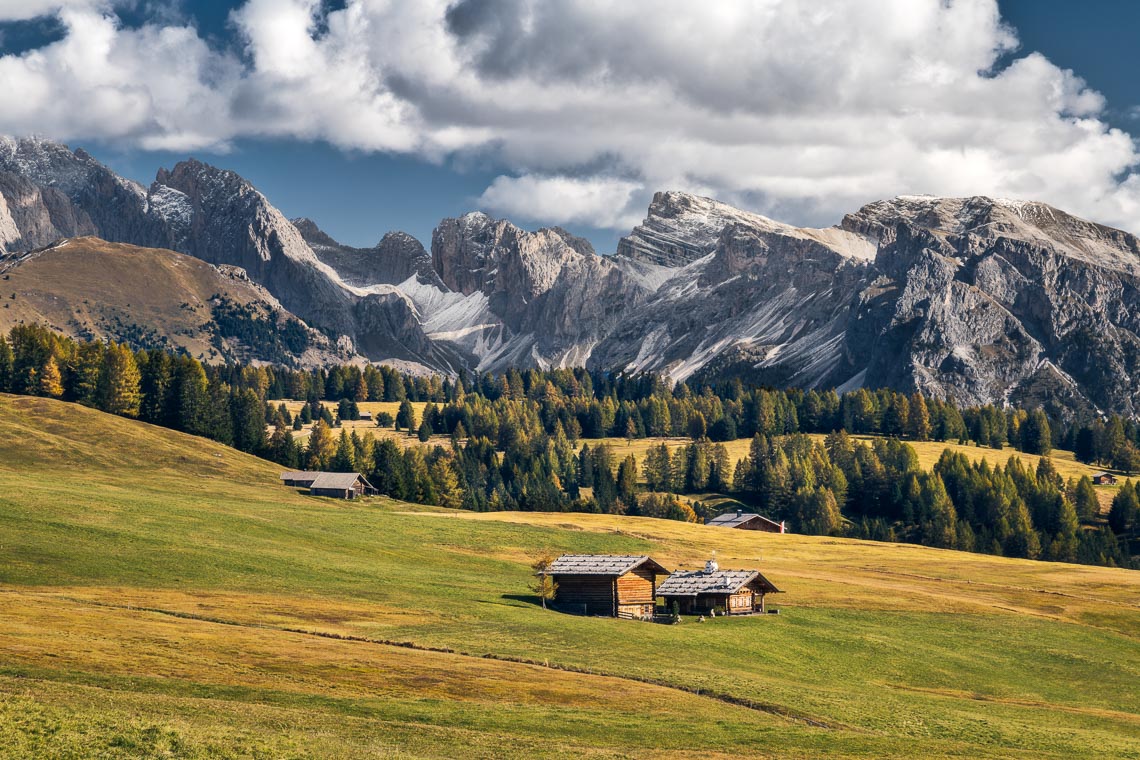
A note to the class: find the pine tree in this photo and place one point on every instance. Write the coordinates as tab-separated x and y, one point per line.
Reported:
1125	512
50	381
1034	434
448	492
282	448
918	420
119	389
344	459
1084	499
698	428
424	432
247	421
5	365
658	468
85	369
322	446
189	407
406	416
627	484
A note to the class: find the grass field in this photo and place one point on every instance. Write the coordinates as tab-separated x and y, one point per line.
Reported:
185	605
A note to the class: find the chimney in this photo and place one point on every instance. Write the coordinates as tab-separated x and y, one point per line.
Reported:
711	566
739	511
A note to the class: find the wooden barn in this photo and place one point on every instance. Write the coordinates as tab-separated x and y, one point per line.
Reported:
365	416
699	592
341	485
299	479
605	584
1104	479
746	521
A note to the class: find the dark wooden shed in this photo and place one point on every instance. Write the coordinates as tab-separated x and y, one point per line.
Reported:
606	584
699	592
299	479
1104	479
746	521
341	485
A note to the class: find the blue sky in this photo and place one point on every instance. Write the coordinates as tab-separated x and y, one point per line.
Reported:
520	126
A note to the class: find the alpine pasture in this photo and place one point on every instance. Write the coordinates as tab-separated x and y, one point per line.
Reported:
164	596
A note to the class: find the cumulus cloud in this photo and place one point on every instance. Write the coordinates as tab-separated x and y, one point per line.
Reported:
596	201
796	108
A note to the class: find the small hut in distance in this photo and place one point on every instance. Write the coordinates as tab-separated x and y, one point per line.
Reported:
338	485
747	521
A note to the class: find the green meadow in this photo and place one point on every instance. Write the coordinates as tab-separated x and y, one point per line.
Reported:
163	596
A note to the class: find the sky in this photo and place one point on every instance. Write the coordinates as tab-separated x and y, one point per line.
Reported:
372	115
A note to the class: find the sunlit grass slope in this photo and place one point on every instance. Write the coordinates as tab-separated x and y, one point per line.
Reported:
163	596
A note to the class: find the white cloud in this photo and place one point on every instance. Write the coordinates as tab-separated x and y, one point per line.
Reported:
802	109
596	201
23	10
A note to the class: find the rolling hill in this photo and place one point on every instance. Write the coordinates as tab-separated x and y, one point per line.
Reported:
88	288
186	605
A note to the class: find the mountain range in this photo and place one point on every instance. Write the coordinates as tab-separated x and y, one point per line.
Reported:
976	299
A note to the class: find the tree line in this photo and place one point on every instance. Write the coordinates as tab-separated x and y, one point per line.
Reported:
530	440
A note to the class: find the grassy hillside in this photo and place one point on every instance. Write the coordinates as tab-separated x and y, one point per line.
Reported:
76	288
164	597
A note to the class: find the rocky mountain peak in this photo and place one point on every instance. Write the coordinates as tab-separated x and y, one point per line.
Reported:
986	219
313	235
681	228
397	257
476	253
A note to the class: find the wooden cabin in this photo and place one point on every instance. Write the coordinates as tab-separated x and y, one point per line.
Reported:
747	521
605	584
366	416
341	485
299	479
699	592
1104	479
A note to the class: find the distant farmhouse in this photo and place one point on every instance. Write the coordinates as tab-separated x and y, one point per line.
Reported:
732	592
747	521
606	584
298	479
1104	479
338	485
365	416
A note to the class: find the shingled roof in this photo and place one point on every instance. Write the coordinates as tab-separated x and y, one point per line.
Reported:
600	564
691	583
336	481
734	519
299	475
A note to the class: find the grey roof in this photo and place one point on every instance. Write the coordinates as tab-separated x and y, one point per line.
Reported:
1102	474
693	582
337	481
599	564
299	475
735	519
